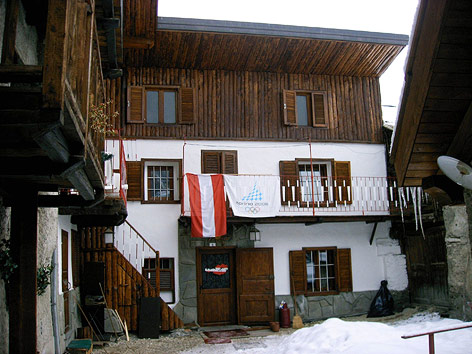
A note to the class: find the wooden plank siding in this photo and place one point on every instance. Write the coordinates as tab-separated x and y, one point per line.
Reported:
249	106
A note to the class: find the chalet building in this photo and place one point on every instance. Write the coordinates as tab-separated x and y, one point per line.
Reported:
247	99
435	119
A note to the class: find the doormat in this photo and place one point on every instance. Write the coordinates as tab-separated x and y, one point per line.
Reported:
226	333
217	340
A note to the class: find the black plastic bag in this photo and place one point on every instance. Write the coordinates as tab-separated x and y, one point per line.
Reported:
382	305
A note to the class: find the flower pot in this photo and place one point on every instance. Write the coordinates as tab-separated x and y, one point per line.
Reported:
274	326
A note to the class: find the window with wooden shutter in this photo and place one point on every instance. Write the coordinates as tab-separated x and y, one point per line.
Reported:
75	258
187	111
290	113
214	161
305	108
342	171
344	269
289	183
297	272
230	162
134	176
320	271
162	180
135	113
320	110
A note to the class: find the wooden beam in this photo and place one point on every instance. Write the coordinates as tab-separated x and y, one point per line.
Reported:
9	34
419	69
77	176
460	147
53	142
55	49
21	73
22	285
137	42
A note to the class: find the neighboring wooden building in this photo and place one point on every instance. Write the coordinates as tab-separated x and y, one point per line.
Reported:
203	96
56	57
435	118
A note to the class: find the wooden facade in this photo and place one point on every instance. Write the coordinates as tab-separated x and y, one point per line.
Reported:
249	106
435	116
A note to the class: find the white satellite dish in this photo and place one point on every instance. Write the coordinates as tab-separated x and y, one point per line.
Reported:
458	171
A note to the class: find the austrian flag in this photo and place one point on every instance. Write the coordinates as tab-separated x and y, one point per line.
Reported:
207	205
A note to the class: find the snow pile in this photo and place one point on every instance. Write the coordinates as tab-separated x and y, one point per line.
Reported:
337	336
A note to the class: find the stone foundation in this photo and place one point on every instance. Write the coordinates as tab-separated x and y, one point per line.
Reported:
186	308
315	308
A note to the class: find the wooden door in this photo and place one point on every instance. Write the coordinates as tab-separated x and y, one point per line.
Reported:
255	285
427	267
216	286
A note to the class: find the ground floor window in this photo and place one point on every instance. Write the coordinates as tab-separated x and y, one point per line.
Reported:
320	271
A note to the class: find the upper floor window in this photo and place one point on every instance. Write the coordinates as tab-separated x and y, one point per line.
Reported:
154	181
305	108
220	161
331	182
160	105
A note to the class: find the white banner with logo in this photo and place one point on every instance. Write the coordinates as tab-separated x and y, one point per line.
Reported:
253	196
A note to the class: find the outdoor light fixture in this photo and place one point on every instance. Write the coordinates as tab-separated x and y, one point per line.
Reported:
110	235
254	234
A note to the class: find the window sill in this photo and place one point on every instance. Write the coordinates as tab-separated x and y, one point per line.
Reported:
323	293
160	201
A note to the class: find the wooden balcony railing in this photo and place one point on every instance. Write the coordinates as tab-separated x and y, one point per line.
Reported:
342	196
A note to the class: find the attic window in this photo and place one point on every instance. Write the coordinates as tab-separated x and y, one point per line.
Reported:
305	108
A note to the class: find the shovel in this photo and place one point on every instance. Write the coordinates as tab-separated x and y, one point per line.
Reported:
297	322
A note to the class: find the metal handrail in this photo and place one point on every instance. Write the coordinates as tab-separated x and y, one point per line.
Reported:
431	335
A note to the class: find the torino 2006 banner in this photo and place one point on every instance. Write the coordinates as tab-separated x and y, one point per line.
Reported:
253	196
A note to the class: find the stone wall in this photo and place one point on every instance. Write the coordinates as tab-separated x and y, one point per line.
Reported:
4	317
315	308
458	248
186	308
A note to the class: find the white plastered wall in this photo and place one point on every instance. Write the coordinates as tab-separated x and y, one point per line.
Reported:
158	222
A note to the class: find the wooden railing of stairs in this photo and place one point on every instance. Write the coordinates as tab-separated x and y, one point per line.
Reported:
124	285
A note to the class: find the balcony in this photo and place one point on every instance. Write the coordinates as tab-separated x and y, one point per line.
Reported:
354	198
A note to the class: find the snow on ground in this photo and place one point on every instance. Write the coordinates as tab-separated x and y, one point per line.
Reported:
338	336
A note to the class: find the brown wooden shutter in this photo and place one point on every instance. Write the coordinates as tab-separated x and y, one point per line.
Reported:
344	269
134	176
290	107
211	162
75	258
320	116
187	106
65	260
230	162
135	105
297	272
289	178
342	171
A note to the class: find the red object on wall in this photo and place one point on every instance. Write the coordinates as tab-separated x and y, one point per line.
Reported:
284	317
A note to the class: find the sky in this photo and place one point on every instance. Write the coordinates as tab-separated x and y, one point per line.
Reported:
363	15
335	336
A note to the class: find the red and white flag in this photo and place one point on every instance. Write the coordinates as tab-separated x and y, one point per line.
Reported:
207	205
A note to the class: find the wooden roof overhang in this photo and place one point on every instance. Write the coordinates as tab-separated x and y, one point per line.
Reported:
435	116
240	46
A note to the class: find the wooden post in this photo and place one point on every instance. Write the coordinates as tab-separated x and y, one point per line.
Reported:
22	285
55	50
9	35
158	277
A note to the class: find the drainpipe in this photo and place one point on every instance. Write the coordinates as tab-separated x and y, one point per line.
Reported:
55	320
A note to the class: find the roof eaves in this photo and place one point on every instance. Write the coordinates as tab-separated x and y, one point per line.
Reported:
263	29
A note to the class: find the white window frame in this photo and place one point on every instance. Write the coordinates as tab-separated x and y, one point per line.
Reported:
172	163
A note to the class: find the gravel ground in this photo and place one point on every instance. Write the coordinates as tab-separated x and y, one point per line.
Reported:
191	340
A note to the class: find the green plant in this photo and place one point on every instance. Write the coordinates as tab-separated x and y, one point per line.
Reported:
7	266
100	120
43	278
